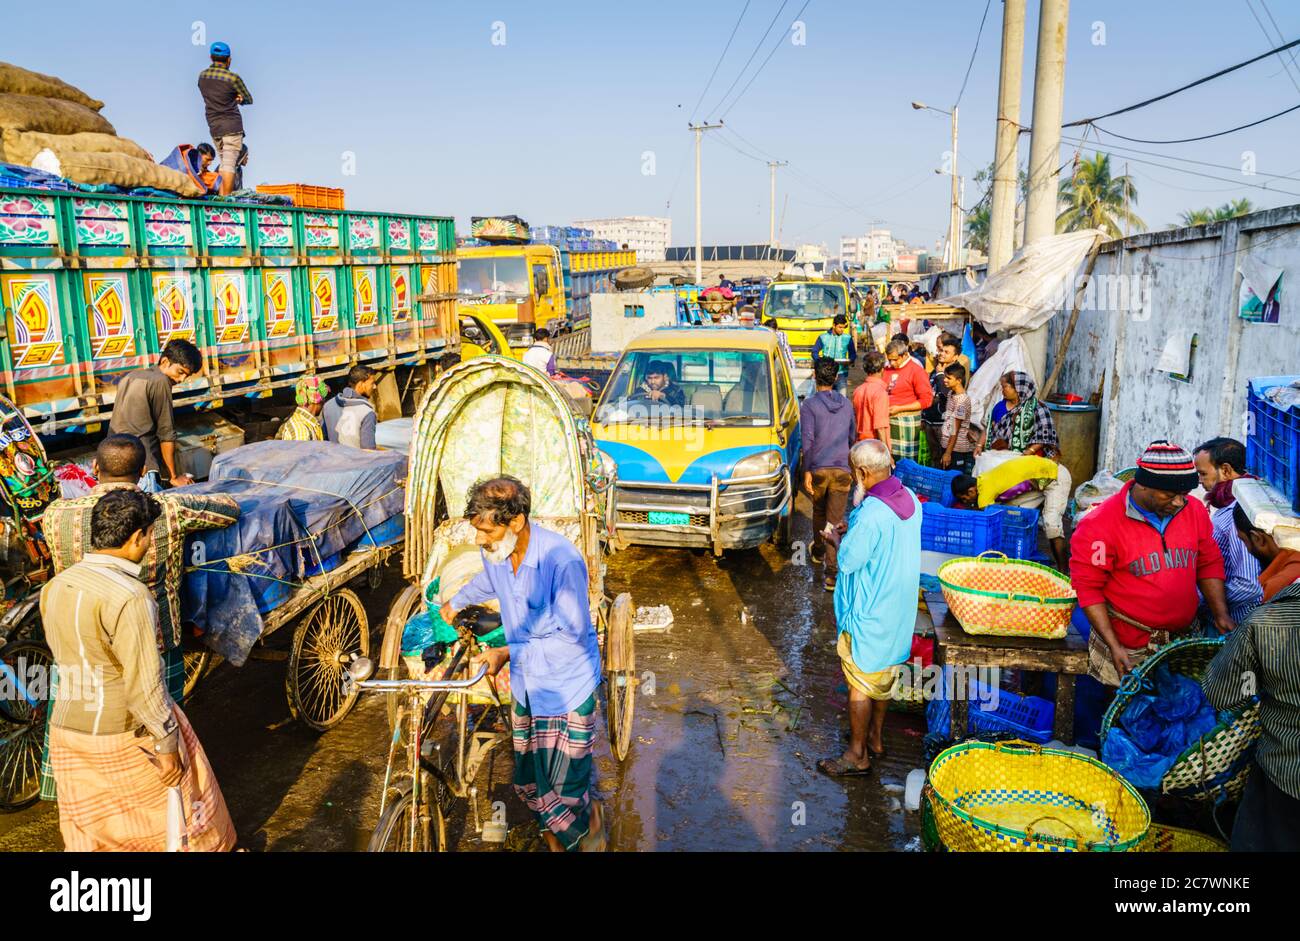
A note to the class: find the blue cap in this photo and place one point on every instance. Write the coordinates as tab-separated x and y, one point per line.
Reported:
219	50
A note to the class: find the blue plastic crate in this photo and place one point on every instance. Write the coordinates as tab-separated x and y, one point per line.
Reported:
1018	537
1273	445
929	482
961	532
1028	717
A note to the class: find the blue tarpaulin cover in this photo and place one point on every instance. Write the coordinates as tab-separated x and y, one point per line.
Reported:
302	505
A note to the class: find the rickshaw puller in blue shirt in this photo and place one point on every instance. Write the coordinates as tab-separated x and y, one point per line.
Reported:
540	580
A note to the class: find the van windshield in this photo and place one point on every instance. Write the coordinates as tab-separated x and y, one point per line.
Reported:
507	275
808	301
732	387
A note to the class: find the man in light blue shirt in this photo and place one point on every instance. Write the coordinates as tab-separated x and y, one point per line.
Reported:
875	599
541	582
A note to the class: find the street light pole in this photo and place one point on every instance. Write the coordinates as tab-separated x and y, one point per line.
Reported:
771	221
699	130
954	206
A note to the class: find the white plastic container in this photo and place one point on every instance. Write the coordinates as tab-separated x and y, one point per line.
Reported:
912	790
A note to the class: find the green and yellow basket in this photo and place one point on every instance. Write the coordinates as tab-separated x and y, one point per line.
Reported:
1018	797
992	594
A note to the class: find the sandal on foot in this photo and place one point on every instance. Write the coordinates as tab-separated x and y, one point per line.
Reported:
839	768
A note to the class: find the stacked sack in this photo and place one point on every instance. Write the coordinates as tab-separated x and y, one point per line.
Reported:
53	126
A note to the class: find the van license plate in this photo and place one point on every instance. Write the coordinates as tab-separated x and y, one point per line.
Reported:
658	518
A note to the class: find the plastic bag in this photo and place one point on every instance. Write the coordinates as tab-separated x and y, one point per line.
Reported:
1142	769
1102	486
1178	697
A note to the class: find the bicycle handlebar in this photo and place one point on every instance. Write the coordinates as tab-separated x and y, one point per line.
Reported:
433	686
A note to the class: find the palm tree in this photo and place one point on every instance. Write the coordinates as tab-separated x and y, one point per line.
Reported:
1093	199
1230	210
977	228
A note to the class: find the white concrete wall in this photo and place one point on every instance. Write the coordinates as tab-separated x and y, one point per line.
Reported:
1191	285
612	330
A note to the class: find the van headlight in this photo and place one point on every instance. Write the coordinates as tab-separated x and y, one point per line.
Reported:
757	465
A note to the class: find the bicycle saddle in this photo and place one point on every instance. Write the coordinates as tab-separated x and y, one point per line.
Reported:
478	620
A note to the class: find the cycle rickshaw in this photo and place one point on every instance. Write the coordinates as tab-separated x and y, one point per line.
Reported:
487	416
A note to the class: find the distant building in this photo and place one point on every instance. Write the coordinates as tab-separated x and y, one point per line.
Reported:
876	250
648	236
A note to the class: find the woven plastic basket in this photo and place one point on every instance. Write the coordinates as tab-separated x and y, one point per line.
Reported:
1163	839
1016	797
1217	765
992	594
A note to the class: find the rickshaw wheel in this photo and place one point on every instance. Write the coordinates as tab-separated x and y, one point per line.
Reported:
328	638
404	606
198	663
393	832
620	675
22	725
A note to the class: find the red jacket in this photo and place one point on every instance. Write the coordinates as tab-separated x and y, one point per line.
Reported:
908	384
1117	557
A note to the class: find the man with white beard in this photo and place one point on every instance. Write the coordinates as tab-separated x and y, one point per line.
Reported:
540	579
875	599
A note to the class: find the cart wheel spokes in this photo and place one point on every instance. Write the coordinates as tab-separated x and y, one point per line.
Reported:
620	675
22	722
199	662
328	638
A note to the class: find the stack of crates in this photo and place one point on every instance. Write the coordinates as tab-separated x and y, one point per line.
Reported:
1273	442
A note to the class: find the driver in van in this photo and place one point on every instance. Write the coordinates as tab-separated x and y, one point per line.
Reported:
658	387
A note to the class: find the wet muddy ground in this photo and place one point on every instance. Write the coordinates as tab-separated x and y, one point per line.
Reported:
737	702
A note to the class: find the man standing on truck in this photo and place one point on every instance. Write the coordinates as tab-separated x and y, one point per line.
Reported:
223	93
143	408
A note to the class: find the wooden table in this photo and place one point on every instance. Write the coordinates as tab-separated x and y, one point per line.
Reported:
1067	658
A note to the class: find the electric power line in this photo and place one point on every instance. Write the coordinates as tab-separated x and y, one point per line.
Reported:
1267	35
763	64
1200	81
987	4
1189	140
718	64
1290	177
757	47
1208	176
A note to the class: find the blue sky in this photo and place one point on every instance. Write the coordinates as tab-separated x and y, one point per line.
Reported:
555	123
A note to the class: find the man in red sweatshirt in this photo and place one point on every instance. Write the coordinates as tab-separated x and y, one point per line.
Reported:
1137	561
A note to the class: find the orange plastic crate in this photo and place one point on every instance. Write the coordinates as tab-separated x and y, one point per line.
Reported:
312	197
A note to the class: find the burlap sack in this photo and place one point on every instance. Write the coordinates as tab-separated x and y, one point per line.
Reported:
22	146
20	81
51	115
121	170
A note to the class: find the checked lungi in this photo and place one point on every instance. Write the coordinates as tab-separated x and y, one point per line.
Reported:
906	436
112	799
553	768
173	679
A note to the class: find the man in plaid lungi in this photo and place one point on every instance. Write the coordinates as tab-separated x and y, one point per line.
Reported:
540	579
118	743
909	394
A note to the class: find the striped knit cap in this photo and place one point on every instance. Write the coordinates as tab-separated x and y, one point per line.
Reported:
1166	466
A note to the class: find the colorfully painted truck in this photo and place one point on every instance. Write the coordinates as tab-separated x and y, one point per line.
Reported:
524	285
92	286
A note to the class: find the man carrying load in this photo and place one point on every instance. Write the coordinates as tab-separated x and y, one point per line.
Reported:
223	92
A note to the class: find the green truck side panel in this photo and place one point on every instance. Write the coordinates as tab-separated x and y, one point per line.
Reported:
89	284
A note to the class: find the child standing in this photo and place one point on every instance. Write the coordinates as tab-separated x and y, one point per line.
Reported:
955	434
871	400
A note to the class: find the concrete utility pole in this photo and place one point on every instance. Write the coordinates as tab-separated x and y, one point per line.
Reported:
1002	207
771	220
699	130
954	214
1041	205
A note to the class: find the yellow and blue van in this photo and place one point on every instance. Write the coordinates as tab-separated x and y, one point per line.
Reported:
703	424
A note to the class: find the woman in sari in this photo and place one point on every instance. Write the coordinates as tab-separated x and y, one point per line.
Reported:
1028	429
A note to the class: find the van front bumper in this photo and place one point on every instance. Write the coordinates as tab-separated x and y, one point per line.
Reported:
730	513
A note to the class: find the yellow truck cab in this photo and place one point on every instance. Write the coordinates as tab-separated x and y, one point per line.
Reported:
703	425
517	287
805	309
